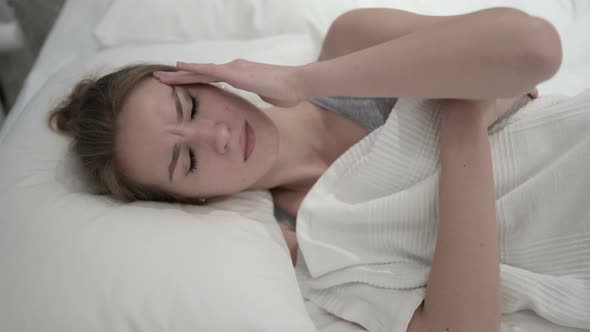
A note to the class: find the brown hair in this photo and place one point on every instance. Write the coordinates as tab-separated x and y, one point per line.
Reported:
89	116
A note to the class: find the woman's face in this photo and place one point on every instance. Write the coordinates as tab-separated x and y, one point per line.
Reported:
190	141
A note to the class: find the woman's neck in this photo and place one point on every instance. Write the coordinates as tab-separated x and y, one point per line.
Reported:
303	146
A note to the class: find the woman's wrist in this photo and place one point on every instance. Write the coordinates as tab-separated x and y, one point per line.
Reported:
462	116
310	83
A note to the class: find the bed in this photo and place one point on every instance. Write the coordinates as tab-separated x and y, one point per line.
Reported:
38	260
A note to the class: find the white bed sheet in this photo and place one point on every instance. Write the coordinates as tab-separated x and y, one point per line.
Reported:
72	38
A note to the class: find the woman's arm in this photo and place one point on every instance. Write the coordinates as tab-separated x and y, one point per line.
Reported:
358	29
498	52
463	290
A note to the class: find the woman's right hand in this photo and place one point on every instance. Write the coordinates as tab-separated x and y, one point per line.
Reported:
275	84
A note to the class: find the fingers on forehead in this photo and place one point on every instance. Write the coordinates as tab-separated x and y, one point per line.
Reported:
210	69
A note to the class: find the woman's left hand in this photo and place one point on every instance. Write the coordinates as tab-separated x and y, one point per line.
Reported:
484	112
291	240
277	85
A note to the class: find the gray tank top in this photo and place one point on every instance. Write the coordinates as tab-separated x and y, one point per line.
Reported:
370	113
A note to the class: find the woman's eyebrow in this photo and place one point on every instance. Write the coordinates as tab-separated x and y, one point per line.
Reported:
175	154
177	104
176	149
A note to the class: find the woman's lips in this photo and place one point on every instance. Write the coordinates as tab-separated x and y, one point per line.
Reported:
244	140
250	142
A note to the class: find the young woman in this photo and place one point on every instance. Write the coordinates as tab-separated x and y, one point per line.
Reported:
153	132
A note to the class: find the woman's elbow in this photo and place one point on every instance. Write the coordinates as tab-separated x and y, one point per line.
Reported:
543	52
532	44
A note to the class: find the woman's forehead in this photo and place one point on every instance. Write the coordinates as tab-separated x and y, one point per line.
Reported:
142	142
150	98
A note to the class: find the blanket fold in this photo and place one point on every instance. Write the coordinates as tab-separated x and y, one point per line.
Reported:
367	229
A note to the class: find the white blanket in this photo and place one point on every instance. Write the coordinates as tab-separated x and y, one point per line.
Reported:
367	229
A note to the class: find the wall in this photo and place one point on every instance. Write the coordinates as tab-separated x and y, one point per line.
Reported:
36	17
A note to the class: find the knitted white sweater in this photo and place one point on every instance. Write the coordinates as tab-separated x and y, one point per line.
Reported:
367	229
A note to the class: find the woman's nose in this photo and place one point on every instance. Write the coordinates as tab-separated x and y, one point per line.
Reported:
209	133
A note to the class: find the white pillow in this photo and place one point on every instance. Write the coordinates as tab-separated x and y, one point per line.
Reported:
134	22
71	261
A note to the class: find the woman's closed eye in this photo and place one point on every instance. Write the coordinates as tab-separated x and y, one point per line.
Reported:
195	107
193	161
